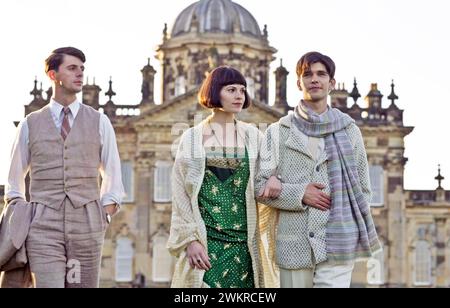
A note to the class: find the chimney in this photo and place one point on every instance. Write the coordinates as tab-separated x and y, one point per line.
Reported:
91	95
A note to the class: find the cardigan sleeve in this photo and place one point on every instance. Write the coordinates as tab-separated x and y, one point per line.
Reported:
292	194
184	229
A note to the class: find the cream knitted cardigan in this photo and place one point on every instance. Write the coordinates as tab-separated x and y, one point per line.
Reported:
297	233
187	224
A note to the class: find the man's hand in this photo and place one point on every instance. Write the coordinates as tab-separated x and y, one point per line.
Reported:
198	259
272	189
316	198
111	209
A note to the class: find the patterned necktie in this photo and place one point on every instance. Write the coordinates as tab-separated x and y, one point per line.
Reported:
65	127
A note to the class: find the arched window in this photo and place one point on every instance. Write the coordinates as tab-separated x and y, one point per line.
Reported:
162	260
163	182
128	181
180	85
422	273
250	87
377	182
124	260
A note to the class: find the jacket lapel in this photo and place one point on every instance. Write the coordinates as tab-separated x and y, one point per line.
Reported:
294	141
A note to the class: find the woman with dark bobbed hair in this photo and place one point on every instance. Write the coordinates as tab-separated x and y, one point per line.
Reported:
214	217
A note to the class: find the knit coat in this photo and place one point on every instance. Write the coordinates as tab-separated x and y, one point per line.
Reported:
299	239
187	223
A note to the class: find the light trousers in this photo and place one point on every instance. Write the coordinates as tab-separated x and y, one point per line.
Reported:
324	275
64	247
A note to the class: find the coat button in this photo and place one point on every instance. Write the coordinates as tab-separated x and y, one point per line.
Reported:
311	235
67	168
318	168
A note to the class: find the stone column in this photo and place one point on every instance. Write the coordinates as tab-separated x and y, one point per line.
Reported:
441	278
91	95
447	254
144	200
397	238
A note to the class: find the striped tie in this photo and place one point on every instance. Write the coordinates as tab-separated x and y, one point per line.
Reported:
65	127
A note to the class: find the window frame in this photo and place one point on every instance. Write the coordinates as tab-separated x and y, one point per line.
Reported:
423	263
131	197
119	258
381	188
168	165
180	86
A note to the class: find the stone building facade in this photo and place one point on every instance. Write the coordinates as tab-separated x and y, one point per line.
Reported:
414	226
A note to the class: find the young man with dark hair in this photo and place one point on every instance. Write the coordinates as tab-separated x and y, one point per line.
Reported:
66	146
314	173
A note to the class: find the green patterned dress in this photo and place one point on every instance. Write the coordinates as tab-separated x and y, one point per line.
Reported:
222	202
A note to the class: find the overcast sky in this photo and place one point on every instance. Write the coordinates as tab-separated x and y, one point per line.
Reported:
375	41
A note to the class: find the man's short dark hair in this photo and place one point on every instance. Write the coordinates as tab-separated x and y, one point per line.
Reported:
53	62
209	95
304	64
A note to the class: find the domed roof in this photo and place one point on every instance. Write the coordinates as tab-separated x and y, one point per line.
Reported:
216	16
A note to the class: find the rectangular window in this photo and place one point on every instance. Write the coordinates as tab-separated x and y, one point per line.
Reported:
422	273
128	181
124	260
180	86
377	182
163	182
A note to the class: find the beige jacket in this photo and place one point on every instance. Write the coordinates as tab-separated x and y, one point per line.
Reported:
15	223
187	224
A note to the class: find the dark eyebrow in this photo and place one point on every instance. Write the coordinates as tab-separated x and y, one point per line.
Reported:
74	66
318	72
233	87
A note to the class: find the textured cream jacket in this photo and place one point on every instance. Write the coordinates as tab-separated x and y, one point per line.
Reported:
187	223
298	232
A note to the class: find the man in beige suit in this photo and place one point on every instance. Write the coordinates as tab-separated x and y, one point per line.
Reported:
315	166
65	146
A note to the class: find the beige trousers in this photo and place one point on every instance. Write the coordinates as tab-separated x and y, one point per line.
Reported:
324	275
64	247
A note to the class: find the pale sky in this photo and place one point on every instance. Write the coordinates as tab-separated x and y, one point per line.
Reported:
373	40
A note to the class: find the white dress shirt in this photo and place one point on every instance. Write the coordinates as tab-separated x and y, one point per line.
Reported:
111	191
316	146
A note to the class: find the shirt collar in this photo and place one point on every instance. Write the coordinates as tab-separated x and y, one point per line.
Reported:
56	107
303	110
